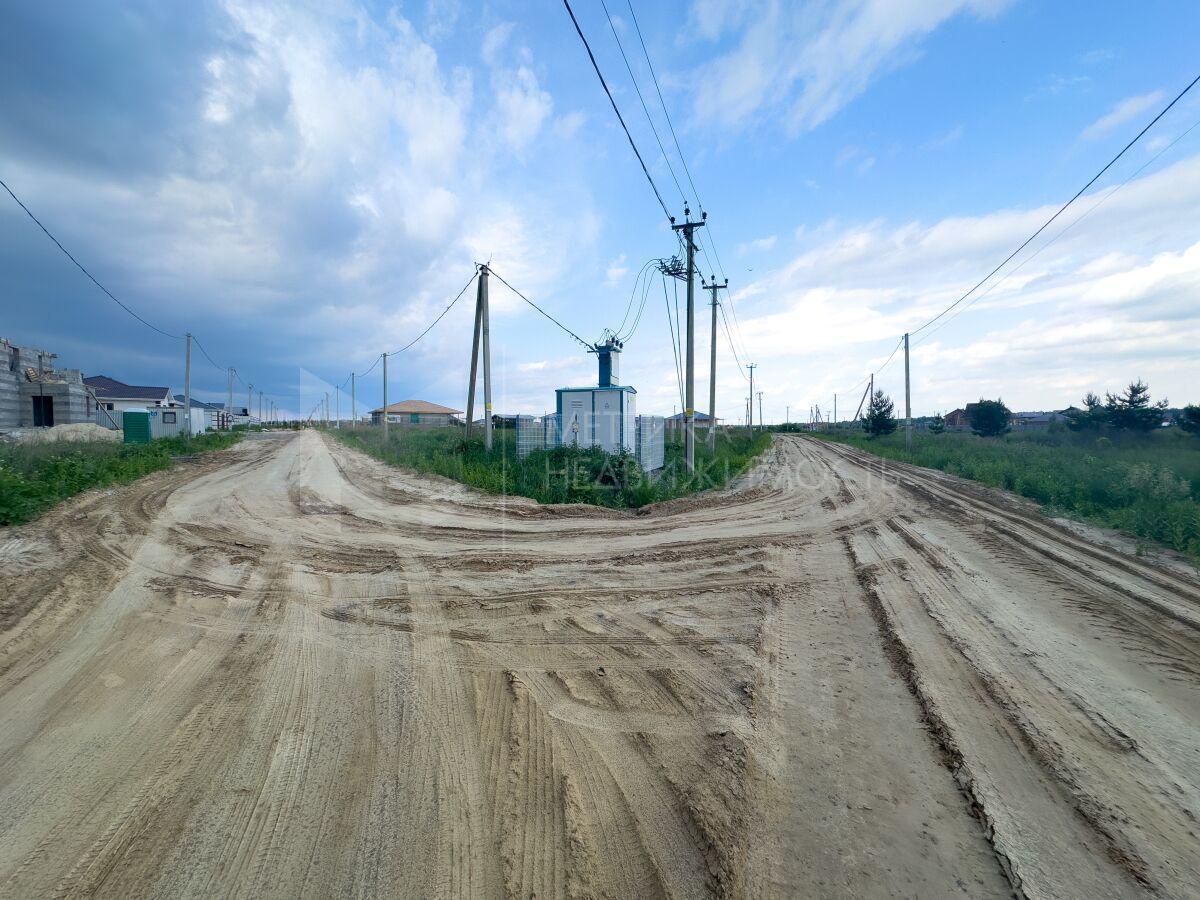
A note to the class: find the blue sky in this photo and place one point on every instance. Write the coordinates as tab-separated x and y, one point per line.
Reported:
306	185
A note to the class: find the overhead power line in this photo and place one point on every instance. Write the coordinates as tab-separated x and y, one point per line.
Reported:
82	269
441	316
542	311
663	102
620	118
645	109
1061	209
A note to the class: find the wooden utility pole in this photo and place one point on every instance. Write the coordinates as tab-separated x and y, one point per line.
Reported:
907	400
760	415
750	416
187	388
712	367
385	403
474	356
353	403
689	403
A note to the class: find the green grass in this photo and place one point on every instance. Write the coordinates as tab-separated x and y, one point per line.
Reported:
561	475
1147	485
36	477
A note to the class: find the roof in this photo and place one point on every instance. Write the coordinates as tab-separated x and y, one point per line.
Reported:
417	406
200	404
111	389
699	417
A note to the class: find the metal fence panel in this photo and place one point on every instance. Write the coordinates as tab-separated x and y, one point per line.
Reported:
530	436
651	443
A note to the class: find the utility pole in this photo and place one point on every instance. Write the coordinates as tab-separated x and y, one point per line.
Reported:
187	388
787	415
486	342
907	400
760	415
337	407
353	404
834	423
712	367
385	403
474	356
249	401
229	405
260	399
689	413
750	418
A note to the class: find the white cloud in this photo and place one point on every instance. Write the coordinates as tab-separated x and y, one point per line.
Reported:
810	60
1112	299
1128	109
758	245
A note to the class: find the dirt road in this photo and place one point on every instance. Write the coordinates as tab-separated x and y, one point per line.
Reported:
289	671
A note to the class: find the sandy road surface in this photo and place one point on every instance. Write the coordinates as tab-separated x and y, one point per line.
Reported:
288	671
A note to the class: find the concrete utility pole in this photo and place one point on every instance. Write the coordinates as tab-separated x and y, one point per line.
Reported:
907	400
760	415
385	403
249	401
474	357
353	404
187	387
787	415
229	405
260	408
689	412
712	367
750	418
486	342
337	407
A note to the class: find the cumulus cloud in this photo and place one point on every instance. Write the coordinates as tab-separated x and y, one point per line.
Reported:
1111	299
1128	109
810	60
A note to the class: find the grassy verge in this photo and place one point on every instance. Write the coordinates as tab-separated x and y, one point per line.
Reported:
1148	485
561	475
35	477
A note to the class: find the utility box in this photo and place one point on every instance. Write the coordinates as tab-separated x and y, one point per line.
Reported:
135	423
601	417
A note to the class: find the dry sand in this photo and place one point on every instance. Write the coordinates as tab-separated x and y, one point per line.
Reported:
287	670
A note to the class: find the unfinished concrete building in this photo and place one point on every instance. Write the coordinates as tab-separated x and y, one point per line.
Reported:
34	393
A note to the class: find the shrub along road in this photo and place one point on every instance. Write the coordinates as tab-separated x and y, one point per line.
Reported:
292	670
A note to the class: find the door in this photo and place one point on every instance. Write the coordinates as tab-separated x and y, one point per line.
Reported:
43	412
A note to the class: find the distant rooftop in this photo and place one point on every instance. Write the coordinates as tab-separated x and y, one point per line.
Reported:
408	407
110	389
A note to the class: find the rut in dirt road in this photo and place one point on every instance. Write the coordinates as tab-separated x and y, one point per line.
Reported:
290	670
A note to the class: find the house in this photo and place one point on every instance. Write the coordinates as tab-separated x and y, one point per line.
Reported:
677	423
114	397
1036	421
34	393
216	416
417	414
957	420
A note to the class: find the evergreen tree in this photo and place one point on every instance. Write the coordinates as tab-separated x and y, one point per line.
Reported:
988	418
1132	410
1189	419
938	425
880	418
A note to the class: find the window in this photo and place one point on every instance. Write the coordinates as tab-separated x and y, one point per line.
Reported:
168	418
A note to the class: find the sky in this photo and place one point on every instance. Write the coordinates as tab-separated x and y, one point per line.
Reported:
306	185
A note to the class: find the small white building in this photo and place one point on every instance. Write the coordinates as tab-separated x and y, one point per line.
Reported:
604	416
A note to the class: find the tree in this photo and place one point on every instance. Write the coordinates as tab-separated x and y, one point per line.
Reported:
988	418
880	418
1189	419
1092	416
937	425
1132	410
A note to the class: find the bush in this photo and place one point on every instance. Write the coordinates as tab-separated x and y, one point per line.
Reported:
988	418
